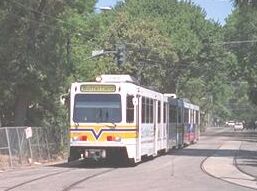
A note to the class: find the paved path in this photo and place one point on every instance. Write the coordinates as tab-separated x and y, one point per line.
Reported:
246	159
236	161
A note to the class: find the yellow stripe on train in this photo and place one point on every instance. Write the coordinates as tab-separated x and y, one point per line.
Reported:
104	136
102	132
97	126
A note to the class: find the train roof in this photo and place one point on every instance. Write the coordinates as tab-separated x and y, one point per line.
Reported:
191	106
181	102
124	80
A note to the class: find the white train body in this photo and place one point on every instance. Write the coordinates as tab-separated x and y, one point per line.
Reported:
115	118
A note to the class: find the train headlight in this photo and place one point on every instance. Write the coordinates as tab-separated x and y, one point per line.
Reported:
118	139
75	139
113	138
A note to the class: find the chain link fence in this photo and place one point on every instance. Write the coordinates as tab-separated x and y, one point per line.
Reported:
20	146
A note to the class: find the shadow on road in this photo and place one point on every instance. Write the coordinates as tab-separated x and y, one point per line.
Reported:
212	152
244	135
249	136
91	164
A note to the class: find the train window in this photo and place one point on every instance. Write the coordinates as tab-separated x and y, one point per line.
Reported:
172	114
197	117
143	110
130	109
186	115
96	108
159	111
192	119
151	110
147	110
164	112
147	103
179	115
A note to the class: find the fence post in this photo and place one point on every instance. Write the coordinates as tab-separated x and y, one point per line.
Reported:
47	147
30	150
9	147
19	144
38	144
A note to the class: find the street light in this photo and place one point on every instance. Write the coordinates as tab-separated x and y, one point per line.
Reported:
105	8
120	53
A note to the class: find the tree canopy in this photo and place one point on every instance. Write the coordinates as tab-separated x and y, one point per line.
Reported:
240	31
45	45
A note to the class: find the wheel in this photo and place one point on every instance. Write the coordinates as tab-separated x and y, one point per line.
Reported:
74	154
131	163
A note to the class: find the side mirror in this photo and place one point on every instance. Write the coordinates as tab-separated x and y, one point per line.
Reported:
64	99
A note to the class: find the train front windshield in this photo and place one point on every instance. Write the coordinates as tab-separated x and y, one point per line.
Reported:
97	108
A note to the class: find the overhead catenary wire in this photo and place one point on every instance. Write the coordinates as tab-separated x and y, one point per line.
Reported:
237	42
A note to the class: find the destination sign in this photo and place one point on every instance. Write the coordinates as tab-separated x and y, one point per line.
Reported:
97	88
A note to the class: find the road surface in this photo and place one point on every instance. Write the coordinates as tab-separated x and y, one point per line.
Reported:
214	163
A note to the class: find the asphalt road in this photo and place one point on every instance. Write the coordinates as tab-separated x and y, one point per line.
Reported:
207	165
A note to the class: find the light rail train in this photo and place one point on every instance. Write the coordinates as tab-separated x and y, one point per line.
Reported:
115	118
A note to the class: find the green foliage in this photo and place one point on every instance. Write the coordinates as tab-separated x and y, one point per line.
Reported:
34	69
46	45
173	48
241	28
243	3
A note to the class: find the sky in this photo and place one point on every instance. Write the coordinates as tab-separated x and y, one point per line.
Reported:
217	10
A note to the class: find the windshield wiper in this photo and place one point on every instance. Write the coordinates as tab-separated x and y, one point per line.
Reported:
111	126
76	125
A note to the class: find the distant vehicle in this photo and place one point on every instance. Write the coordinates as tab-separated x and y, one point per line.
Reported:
238	126
230	124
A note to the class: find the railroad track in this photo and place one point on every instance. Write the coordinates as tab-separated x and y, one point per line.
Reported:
36	179
87	178
67	187
234	163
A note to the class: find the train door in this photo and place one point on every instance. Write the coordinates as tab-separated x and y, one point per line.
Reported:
194	126
191	126
155	118
186	125
172	125
138	108
159	126
179	127
165	126
197	124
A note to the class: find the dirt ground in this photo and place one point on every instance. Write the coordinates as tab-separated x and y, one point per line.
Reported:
5	162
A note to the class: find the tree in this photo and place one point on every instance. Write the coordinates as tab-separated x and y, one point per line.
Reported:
241	3
241	27
169	45
33	57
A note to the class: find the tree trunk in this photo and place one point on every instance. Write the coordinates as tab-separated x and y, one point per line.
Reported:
21	106
23	93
